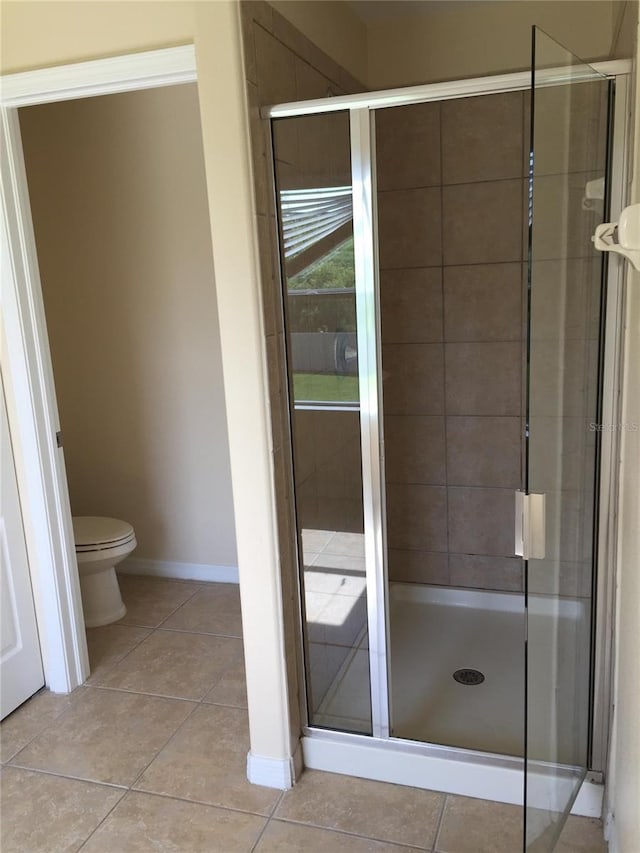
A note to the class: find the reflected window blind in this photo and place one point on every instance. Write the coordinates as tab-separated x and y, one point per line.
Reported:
309	216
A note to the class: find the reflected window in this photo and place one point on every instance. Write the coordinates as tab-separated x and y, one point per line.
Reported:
321	306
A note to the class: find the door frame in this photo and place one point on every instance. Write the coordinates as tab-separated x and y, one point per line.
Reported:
324	749
25	357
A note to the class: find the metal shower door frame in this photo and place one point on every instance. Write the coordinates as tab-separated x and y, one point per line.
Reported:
362	108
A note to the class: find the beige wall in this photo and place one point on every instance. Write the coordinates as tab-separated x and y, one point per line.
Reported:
473	39
625	16
37	34
333	27
120	213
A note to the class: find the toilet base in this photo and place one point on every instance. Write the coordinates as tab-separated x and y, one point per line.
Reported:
101	599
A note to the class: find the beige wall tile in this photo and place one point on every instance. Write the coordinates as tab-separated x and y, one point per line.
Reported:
107	736
482	222
478	572
479	826
482	138
310	83
418	567
143	822
414	449
409	228
276	67
561	228
481	521
47	813
412	377
207	761
484	452
411	305
482	302
416	517
483	379
386	812
169	663
259	11
408	147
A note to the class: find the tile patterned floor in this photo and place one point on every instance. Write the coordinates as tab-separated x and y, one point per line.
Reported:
150	755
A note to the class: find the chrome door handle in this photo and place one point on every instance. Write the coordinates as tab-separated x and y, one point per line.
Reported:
530	526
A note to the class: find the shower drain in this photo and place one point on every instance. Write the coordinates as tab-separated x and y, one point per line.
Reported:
468	676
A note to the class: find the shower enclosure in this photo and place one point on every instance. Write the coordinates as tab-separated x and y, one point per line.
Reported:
443	311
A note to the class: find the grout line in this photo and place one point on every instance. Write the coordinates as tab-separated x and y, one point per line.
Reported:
45	727
352	834
110	669
436	839
138	692
97	827
59	775
267	821
165	745
199	633
180	799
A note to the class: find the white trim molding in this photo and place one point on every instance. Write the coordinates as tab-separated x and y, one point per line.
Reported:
147	70
33	418
280	773
178	571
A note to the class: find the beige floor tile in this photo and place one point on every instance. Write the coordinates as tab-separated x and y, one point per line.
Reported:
215	609
479	826
280	837
207	762
582	835
106	736
143	822
30	719
169	663
49	814
386	812
231	689
108	645
149	601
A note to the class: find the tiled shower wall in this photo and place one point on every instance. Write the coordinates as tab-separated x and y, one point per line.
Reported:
280	65
450	206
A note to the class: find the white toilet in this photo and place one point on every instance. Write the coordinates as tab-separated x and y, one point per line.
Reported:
101	543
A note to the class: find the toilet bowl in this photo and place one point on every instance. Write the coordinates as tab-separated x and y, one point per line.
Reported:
101	543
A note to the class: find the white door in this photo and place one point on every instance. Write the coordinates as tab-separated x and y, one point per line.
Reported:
21	672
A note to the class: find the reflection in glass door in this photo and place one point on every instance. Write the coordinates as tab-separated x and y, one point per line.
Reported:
569	158
314	193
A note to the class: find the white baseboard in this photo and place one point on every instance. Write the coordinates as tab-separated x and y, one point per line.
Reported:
278	773
179	571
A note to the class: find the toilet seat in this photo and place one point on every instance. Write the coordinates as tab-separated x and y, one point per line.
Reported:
95	533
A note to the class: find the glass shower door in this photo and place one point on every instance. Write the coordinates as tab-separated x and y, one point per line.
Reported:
568	160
